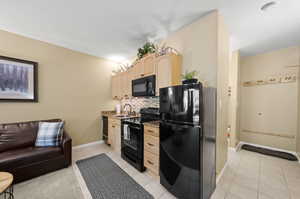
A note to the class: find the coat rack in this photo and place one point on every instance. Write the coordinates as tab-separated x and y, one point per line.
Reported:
288	78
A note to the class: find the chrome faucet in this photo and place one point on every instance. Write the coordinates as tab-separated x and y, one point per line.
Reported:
130	111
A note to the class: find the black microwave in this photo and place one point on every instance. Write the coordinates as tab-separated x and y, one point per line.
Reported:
144	87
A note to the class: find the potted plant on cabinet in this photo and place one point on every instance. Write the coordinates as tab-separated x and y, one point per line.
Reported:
148	48
189	77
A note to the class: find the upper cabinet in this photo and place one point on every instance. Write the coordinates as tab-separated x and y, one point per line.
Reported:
149	65
167	69
115	86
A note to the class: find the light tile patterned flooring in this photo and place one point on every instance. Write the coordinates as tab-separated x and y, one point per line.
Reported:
248	175
251	175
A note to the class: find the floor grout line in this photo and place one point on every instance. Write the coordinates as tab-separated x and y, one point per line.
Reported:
287	184
259	177
234	176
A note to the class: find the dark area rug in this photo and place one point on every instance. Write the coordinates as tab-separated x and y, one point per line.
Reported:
270	152
106	180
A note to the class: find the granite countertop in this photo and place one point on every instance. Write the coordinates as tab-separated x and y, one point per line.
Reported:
113	115
108	113
154	124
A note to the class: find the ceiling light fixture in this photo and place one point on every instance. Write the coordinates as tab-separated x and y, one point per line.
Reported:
266	6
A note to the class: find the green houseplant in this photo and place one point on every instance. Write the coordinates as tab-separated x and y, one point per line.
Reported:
146	49
189	77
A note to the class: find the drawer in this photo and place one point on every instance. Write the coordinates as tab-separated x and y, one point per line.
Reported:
151	162
115	121
151	131
151	144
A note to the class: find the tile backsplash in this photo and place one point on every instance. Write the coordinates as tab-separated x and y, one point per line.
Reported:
138	103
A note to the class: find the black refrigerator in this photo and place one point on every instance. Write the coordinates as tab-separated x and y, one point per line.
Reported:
188	140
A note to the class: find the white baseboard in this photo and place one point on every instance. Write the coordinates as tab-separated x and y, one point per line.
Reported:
222	172
235	149
88	144
271	148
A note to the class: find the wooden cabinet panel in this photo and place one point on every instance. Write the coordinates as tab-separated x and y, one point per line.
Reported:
151	131
123	85
117	132
138	70
163	73
114	134
151	162
149	65
168	71
110	139
151	144
115	86
151	149
128	83
120	87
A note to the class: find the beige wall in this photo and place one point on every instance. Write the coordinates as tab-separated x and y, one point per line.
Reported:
204	46
72	86
197	43
277	103
223	53
233	110
298	130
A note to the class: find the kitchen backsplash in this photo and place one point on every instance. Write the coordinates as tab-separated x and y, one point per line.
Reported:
138	103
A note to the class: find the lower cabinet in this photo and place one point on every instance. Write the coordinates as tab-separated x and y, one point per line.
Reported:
114	134
151	149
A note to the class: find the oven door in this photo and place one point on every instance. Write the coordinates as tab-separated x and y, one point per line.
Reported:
132	140
143	87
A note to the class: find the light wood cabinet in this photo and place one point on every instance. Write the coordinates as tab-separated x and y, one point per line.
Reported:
121	85
149	65
138	70
115	86
151	149
111	138
114	134
128	83
168	71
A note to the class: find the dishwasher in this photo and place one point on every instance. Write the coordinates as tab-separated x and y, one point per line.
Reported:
105	128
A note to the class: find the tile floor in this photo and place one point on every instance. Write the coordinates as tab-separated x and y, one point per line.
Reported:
247	176
145	179
251	175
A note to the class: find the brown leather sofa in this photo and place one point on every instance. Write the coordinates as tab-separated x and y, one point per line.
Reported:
19	156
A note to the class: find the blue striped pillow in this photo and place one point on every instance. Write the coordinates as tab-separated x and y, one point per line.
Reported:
49	134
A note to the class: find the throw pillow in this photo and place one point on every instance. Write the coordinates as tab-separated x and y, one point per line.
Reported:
49	134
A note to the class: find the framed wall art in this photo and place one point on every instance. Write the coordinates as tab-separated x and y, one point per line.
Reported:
18	80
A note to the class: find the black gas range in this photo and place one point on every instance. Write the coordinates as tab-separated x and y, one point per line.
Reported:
132	137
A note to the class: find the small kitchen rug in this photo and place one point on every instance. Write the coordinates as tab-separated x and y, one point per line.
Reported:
106	180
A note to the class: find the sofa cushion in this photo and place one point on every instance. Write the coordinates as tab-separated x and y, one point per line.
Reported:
16	138
34	125
49	134
29	155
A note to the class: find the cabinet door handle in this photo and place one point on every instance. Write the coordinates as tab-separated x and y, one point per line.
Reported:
150	162
113	126
150	131
150	144
142	75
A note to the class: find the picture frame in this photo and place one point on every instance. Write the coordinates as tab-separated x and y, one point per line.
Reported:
18	80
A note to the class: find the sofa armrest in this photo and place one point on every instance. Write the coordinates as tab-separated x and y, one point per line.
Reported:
67	148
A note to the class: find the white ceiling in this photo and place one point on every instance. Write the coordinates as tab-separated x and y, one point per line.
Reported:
114	29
